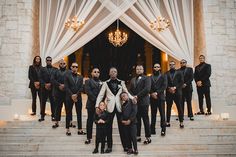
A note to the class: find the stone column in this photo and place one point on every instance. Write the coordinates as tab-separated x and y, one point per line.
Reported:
199	31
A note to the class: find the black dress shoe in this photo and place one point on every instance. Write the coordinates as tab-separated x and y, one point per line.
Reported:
81	133
68	133
147	141
88	141
208	113
126	149
191	118
33	114
163	132
53	119
135	152
167	124
41	119
199	113
108	150
130	151
72	126
181	126
139	139
55	126
95	151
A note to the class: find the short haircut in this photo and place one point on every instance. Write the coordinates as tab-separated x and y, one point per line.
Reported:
48	57
123	93
139	65
202	56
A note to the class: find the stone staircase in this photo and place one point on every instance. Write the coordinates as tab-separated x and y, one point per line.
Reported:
204	137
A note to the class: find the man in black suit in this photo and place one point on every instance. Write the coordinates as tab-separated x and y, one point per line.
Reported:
202	78
46	74
140	87
111	90
175	81
59	91
34	85
92	89
187	89
74	88
157	99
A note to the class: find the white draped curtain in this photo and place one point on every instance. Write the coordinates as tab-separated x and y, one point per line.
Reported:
57	42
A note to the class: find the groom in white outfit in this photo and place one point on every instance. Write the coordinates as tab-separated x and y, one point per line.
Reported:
112	89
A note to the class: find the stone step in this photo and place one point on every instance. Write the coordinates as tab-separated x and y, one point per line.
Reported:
154	148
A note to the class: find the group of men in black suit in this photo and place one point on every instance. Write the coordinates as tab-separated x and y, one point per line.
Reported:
65	86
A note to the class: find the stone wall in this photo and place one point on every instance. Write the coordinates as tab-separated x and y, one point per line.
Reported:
16	43
220	29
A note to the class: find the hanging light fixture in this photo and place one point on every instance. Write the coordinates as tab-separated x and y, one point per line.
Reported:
160	23
117	38
74	23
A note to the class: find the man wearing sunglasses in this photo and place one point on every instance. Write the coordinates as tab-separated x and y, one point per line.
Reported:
157	99
92	89
46	81
59	91
175	81
74	88
187	89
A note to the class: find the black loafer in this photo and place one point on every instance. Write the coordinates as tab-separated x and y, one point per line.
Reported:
81	133
208	113
72	126
68	133
181	126
55	126
147	141
33	114
199	113
191	118
41	119
88	141
95	151
108	150
135	152
167	124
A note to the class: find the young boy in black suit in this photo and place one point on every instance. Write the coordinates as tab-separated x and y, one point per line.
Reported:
101	120
128	120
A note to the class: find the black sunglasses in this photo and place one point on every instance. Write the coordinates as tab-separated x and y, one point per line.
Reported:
156	67
182	62
96	71
49	60
74	66
62	63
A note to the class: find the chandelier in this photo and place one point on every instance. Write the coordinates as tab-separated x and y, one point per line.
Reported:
74	23
159	24
117	38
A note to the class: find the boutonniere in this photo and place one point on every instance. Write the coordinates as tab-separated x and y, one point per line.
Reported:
119	86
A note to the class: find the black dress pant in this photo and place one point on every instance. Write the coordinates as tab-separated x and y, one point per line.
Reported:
130	138
34	93
78	107
101	133
109	129
59	100
187	96
45	95
177	98
160	104
90	120
143	114
204	91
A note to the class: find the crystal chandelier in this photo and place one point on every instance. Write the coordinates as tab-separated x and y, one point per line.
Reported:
159	24
74	23
117	38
